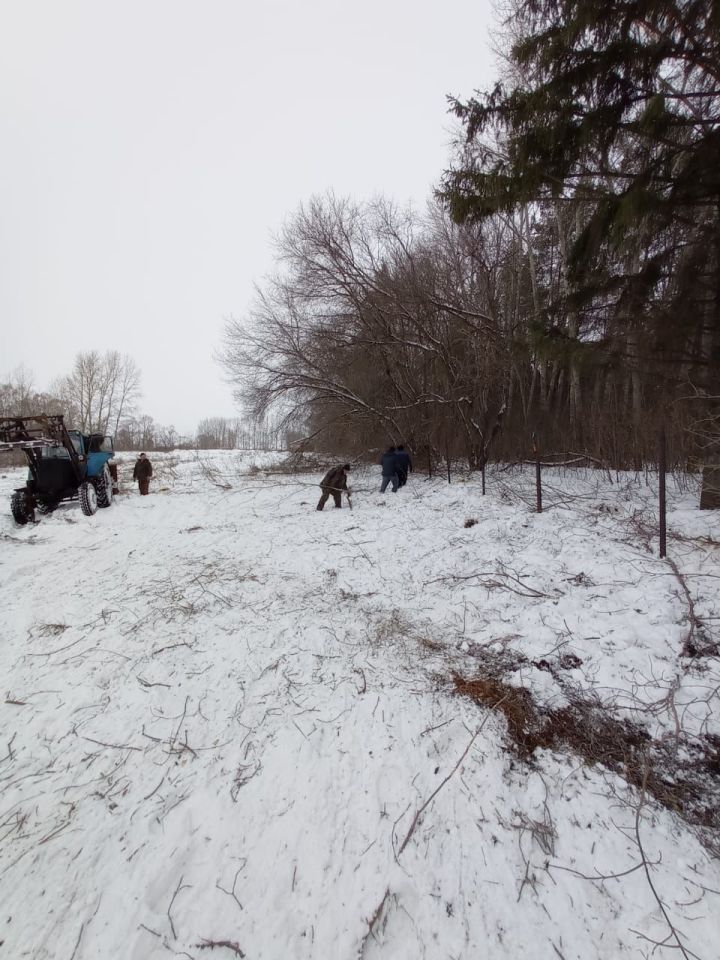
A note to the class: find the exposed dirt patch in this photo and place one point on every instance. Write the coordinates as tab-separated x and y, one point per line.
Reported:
683	776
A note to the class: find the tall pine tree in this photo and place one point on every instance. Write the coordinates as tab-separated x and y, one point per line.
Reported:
615	106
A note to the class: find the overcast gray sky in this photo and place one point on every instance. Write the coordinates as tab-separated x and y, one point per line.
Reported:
149	149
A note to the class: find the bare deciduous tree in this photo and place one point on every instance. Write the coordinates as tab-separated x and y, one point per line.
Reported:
365	334
100	390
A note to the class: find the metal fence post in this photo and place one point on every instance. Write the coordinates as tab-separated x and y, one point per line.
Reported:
538	481
662	470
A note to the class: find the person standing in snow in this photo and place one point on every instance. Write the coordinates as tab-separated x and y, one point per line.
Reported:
142	473
388	462
332	484
403	465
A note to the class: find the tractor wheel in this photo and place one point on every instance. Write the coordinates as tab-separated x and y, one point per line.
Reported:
19	507
88	498
104	488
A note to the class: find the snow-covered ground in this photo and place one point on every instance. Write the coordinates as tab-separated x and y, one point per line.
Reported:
229	722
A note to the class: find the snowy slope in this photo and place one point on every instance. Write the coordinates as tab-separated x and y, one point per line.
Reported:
230	727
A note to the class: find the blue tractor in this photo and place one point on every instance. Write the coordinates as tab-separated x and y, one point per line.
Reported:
64	465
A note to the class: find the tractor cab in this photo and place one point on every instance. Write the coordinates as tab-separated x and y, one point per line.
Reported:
56	463
98	449
58	468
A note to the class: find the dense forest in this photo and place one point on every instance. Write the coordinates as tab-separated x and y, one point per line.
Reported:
563	283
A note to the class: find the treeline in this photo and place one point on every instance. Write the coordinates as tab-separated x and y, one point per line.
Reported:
101	395
235	433
564	284
213	433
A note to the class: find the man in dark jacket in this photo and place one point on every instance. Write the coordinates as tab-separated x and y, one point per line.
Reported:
388	462
403	464
142	473
332	484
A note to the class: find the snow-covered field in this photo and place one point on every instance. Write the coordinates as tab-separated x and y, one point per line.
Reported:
229	724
